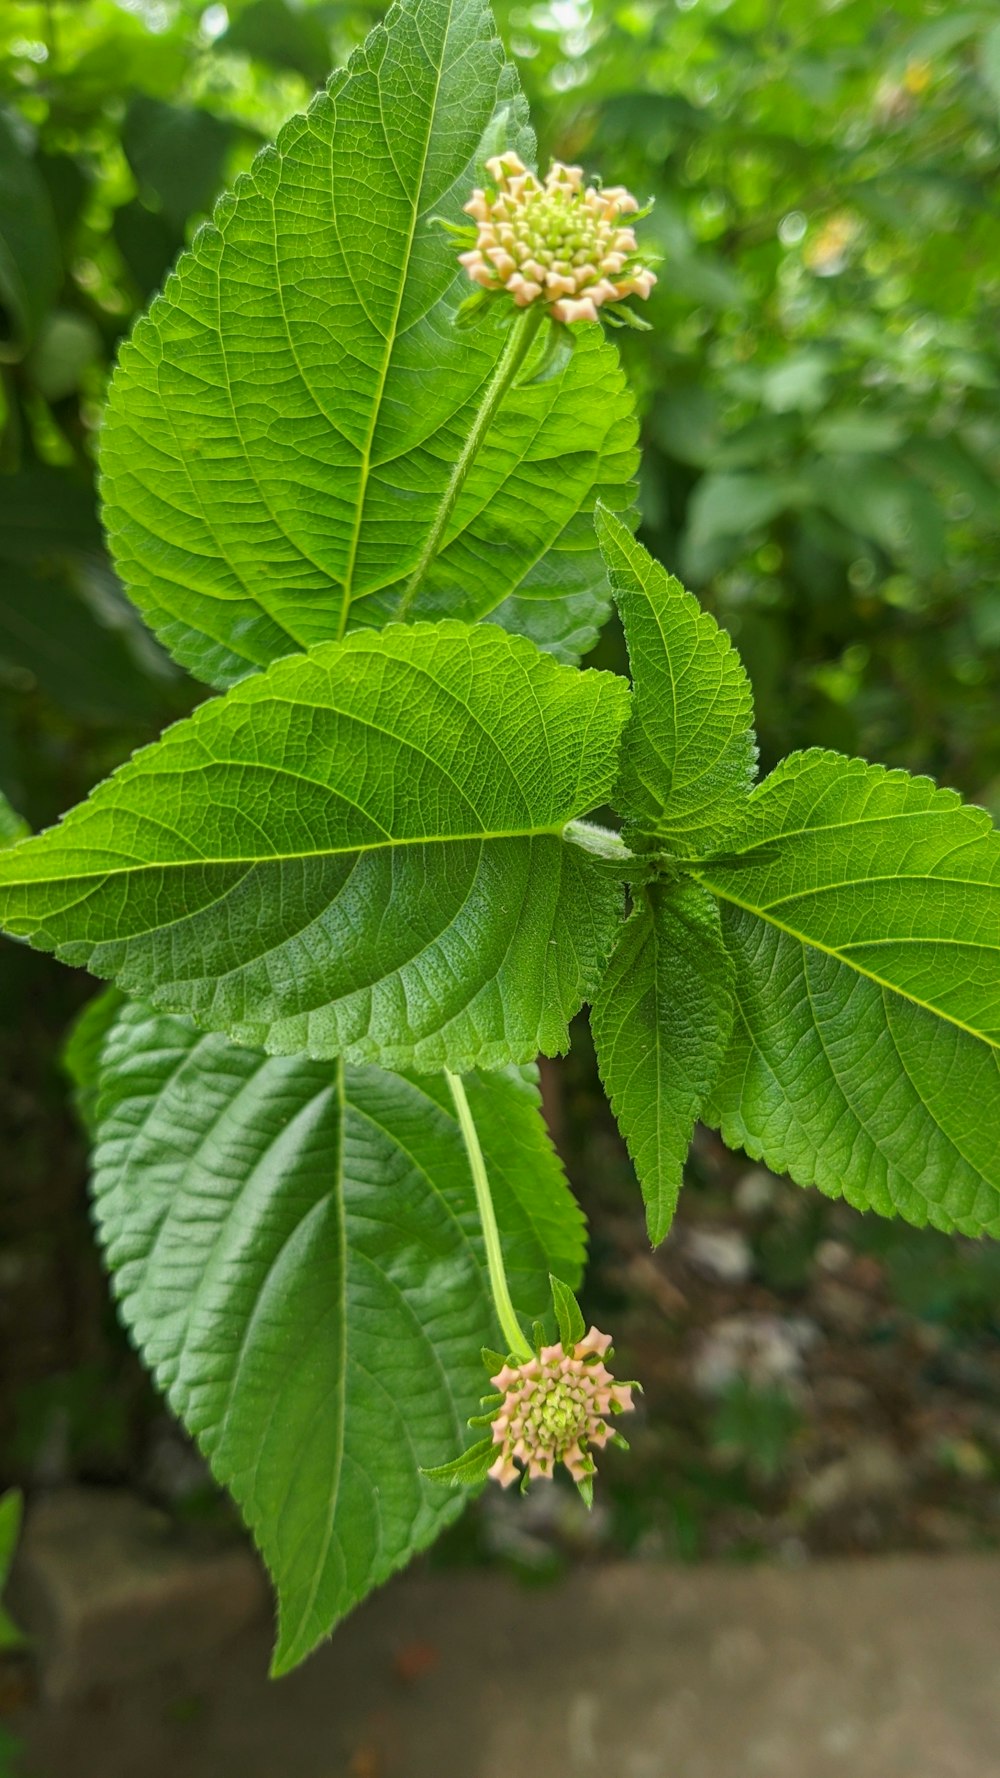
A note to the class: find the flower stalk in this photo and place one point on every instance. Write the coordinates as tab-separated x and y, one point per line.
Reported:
510	1327
520	339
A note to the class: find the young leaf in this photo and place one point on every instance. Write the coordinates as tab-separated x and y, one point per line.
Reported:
287	429
661	1022
468	1470
688	755
361	852
569	1320
864	923
296	1251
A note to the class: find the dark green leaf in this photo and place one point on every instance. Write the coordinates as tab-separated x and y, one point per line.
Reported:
285	430
864	922
84	1048
297	1252
661	1022
365	851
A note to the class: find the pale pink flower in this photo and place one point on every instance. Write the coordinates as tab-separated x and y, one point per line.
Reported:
554	1408
557	242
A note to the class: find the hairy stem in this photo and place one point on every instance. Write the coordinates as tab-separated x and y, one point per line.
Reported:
519	342
509	1324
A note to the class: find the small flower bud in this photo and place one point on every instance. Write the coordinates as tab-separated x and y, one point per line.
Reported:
554	242
554	1409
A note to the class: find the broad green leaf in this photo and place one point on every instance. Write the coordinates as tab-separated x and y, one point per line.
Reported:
296	1251
12	825
364	851
847	1086
688	755
884	872
286	428
661	1022
863	918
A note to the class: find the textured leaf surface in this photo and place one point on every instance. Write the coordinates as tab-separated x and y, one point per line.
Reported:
661	1022
846	1085
284	425
893	877
864	923
296	1252
689	756
361	851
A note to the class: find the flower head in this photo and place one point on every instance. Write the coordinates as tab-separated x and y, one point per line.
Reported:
556	243
554	1408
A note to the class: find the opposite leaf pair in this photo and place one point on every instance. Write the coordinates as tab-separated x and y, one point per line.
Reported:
813	966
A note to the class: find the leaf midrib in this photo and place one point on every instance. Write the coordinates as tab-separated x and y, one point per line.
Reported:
290	1641
814	944
181	864
347	597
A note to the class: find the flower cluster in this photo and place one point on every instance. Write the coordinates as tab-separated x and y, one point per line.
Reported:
556	243
553	1408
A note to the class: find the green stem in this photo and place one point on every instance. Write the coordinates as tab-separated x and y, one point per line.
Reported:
519	342
509	1324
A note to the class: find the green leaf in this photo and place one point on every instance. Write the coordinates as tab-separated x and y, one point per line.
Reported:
12	825
296	1251
897	879
661	1020
468	1470
30	259
284	428
845	1085
688	755
863	919
569	1320
84	1048
363	851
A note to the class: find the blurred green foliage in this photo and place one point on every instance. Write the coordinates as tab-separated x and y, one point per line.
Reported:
820	390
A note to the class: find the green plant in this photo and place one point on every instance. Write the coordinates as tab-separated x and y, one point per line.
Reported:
351	898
